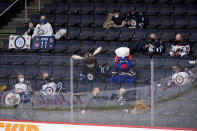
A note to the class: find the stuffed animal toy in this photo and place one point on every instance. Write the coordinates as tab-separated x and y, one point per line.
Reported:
123	71
91	70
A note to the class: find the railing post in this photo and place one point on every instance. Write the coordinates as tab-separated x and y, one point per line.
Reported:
39	5
71	89
152	93
26	11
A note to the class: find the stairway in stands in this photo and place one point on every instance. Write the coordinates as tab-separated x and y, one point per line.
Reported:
18	20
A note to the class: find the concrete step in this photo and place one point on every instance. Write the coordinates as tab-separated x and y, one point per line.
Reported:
15	23
18	20
8	31
30	12
22	15
4	36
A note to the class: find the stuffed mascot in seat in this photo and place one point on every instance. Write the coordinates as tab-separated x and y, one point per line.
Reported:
123	71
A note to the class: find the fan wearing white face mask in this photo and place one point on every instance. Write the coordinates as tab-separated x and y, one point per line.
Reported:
22	85
117	20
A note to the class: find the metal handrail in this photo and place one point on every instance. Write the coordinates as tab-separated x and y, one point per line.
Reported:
8	8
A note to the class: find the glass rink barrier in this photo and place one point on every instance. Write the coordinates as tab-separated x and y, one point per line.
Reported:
134	90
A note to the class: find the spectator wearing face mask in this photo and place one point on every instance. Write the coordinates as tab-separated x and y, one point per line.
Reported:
46	78
134	19
153	46
180	47
22	86
117	19
43	28
30	29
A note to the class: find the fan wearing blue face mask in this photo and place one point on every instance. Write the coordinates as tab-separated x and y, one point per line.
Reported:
43	28
117	20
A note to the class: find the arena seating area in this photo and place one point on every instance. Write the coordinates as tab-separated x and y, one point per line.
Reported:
84	20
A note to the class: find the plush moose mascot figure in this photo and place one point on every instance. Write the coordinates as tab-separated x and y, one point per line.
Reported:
123	71
91	70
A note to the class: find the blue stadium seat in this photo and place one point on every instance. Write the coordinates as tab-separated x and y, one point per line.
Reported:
113	34
140	7
170	61
35	18
61	20
17	69
49	8
142	62
74	46
113	46
192	9
180	9
73	20
99	20
33	58
84	86
142	76
193	35
166	21
4	82
50	18
61	46
102	59
125	8
86	33
159	74
87	8
167	34
99	34
60	59
153	9
166	9
58	72
20	30
87	46
100	8
73	32
192	22
103	44
112	6
126	34
31	71
141	34
184	62
87	20
159	61
153	21
74	7
19	58
62	8
180	21
6	58
46	59
5	71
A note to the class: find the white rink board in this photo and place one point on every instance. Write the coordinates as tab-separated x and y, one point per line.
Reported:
53	126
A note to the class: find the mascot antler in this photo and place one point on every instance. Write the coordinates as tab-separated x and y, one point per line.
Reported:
77	57
98	50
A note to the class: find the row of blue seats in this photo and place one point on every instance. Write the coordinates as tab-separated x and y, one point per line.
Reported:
102	8
98	20
124	34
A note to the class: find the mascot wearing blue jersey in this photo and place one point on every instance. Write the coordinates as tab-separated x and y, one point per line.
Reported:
123	71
